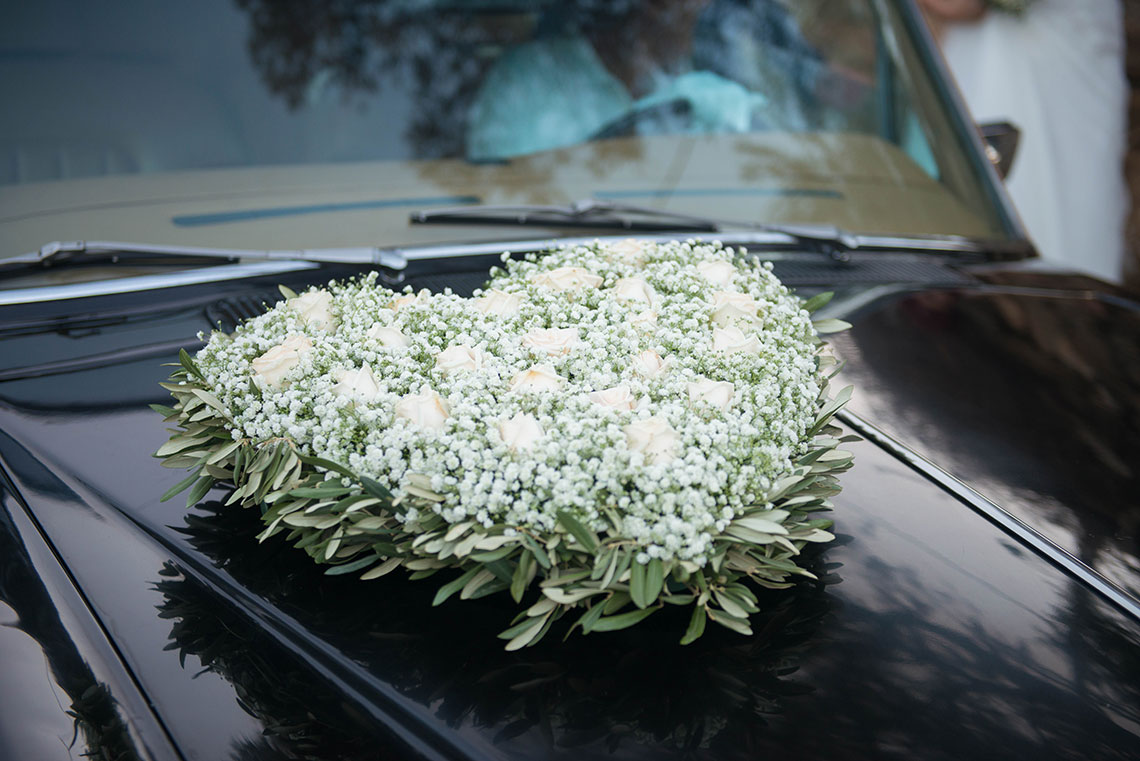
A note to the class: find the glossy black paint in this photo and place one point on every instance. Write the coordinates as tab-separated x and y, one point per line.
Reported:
65	691
932	634
1029	395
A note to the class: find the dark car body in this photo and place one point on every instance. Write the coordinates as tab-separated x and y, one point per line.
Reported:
982	599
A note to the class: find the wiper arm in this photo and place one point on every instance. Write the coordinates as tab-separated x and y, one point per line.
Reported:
602	215
60	252
594	213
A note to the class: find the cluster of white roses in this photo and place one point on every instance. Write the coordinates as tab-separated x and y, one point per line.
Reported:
667	384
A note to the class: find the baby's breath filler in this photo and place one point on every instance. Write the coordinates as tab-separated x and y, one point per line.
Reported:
602	430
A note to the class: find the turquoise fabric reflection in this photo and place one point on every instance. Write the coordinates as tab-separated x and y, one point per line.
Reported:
556	92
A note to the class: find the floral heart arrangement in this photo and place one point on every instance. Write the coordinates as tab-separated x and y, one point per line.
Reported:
602	431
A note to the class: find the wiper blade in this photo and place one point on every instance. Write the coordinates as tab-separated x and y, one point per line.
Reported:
608	215
590	212
61	252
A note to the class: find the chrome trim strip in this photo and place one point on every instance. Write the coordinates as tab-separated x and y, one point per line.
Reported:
887	243
383	257
149	282
444	250
1022	532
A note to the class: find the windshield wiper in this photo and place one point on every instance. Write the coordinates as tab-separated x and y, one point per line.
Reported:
57	253
602	215
598	214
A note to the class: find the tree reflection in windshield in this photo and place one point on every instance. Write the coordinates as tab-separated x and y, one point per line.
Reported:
528	77
357	47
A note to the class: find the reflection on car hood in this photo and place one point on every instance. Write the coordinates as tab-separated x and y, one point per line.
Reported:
921	602
857	182
1030	397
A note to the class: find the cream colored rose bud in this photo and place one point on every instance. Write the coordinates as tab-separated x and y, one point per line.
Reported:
427	409
653	437
408	300
646	320
386	336
631	250
719	394
635	290
315	308
729	307
521	432
552	341
537	378
456	358
649	364
719	273
270	368
733	339
566	279
616	398
499	303
357	385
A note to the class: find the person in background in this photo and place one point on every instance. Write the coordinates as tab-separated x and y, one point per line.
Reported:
1054	68
594	67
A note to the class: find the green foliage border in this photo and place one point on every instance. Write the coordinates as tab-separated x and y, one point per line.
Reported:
351	523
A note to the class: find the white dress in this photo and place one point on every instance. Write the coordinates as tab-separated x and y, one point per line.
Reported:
1057	72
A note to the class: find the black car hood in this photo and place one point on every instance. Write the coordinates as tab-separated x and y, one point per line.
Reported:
931	633
1029	395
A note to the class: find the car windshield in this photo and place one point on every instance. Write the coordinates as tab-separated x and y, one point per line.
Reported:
264	123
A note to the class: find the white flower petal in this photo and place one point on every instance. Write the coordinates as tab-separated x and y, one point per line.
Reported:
616	398
315	308
357	385
427	409
733	339
719	394
270	369
537	378
718	272
567	279
521	432
551	341
654	438
456	358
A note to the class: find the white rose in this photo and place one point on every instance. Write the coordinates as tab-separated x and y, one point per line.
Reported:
733	339
566	279
631	250
358	385
654	438
456	358
616	398
552	341
636	290
387	336
499	303
520	432
717	393
717	272
315	308
270	368
427	409
646	320
410	299
649	364
729	306
537	378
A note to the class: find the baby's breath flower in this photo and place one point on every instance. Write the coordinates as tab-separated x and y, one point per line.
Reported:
672	383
